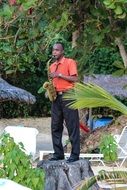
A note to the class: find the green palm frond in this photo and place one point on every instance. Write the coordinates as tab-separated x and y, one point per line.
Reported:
91	96
104	175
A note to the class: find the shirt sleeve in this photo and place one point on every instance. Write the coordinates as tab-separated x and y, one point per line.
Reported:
73	67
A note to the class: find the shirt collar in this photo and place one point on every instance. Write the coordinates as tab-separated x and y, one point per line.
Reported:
60	61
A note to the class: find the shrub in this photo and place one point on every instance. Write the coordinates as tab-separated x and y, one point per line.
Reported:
17	166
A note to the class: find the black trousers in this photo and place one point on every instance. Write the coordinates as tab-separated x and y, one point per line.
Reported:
60	112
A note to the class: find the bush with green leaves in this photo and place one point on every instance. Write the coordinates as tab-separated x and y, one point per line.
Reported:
108	147
17	166
101	61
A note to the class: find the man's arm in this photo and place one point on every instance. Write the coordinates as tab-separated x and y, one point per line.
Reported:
72	78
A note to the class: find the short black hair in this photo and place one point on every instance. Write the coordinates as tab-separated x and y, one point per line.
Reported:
61	43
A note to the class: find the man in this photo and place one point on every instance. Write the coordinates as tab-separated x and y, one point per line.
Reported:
64	75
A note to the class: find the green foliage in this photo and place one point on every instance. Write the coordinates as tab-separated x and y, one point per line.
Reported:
118	6
13	110
113	176
20	39
25	45
41	89
121	70
7	11
28	4
32	82
108	147
91	96
16	165
102	60
26	33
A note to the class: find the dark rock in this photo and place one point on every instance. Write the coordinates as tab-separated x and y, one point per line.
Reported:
63	176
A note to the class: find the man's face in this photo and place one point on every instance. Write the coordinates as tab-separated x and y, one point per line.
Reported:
57	51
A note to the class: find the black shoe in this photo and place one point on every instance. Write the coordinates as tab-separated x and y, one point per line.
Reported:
56	158
69	160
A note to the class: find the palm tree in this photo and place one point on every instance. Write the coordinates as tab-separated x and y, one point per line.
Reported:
121	176
91	96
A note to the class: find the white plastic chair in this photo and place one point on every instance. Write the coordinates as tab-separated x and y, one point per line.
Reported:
6	184
122	146
26	135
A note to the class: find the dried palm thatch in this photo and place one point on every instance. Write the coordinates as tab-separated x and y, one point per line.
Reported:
117	86
9	92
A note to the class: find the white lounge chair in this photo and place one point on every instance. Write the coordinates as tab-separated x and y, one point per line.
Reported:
91	156
26	135
7	184
122	146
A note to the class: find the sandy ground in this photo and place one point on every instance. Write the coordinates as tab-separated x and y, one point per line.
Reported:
44	141
42	124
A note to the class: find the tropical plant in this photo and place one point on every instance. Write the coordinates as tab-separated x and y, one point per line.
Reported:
121	69
102	61
17	166
103	175
92	96
119	7
108	147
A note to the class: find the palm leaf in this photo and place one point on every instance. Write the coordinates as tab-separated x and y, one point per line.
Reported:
91	96
104	175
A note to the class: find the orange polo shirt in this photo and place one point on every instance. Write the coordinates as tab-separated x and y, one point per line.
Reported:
67	67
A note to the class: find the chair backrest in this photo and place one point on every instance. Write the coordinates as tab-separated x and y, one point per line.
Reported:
26	135
123	137
122	142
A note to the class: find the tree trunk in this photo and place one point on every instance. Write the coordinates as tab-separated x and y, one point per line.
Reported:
75	36
63	176
122	50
